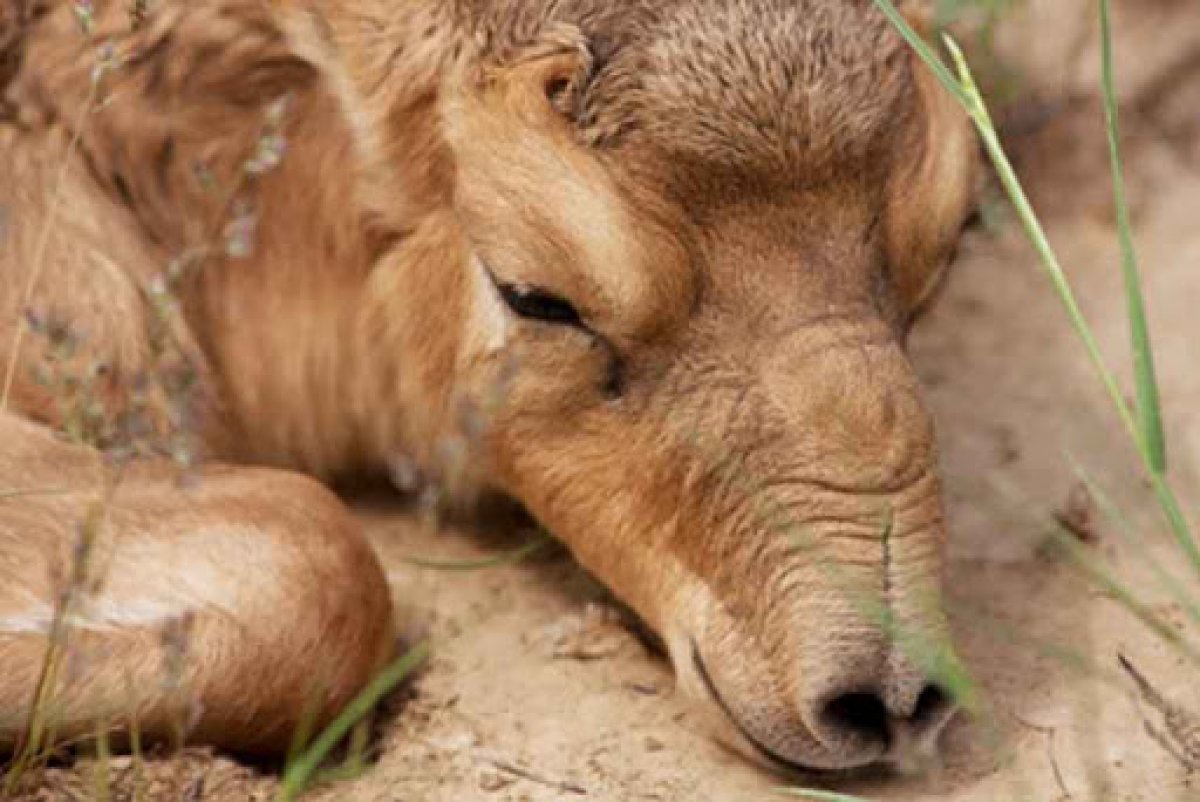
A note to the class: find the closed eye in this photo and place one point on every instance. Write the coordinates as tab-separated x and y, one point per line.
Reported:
532	303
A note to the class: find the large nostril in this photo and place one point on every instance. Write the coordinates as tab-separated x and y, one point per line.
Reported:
932	706
859	716
866	717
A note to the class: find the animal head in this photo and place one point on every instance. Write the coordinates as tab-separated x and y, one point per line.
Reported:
690	238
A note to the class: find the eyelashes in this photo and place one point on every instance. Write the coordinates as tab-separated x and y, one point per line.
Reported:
531	303
540	306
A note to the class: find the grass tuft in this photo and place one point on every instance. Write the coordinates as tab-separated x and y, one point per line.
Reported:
301	771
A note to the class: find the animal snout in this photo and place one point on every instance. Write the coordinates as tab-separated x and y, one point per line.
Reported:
865	722
822	685
849	720
866	698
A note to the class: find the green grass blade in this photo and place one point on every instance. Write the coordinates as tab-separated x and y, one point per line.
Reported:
967	93
514	556
924	49
1127	532
1041	243
1091	565
297	776
820	796
1175	517
1149	408
1037	235
102	776
1103	577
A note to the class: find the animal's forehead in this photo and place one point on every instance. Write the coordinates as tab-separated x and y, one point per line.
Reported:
794	89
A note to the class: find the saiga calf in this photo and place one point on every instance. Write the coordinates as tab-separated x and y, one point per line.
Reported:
646	267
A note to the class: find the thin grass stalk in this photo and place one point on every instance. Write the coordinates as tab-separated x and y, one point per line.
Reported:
1073	659
1041	243
1128	533
356	758
917	42
515	556
39	727
355	764
1103	577
102	778
819	796
300	772
306	726
1033	228
1099	572
1149	406
43	242
139	760
967	93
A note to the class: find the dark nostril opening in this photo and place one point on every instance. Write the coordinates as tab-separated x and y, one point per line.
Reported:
930	704
858	713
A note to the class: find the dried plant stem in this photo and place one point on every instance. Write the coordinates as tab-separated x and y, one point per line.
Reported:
39	729
43	242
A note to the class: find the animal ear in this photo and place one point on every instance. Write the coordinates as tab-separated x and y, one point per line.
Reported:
931	190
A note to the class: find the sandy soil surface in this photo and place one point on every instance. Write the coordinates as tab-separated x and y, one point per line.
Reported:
537	692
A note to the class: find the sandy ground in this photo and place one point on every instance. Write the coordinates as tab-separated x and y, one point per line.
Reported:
536	692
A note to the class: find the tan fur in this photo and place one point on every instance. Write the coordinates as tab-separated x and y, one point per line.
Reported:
745	201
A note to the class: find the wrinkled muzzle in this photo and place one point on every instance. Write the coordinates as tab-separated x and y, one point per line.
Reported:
825	666
774	513
813	538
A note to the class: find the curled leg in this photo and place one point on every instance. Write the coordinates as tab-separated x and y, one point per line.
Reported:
229	613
